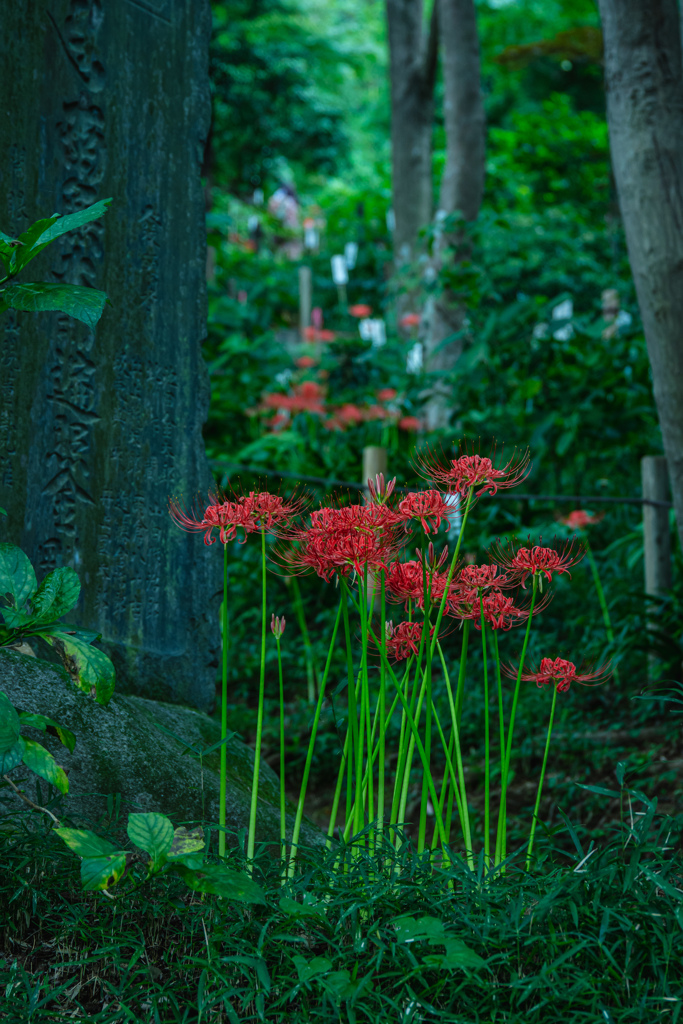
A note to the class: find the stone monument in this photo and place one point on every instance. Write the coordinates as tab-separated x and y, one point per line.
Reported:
98	428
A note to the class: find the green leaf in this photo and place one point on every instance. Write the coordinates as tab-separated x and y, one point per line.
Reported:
432	930
45	231
90	667
151	832
101	872
185	842
85	843
307	969
294	909
3	512
10	727
85	304
457	955
12	757
221	881
56	595
340	986
42	722
41	761
17	577
410	929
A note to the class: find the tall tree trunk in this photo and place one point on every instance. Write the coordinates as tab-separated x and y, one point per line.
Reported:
412	70
462	188
644	84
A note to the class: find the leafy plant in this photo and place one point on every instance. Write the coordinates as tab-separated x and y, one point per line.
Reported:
161	849
30	610
15	749
85	304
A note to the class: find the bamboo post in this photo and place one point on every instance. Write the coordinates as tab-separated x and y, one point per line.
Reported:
305	298
656	535
374	462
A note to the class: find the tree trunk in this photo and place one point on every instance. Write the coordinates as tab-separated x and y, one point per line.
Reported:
462	187
412	70
644	85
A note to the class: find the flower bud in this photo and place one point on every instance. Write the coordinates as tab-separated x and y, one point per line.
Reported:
277	625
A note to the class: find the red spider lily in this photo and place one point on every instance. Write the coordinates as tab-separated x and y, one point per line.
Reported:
482	577
305	362
381	490
406	581
560	672
386	394
349	414
538	561
409	423
249	512
360	310
579	519
340	539
306	397
277	625
500	610
318	334
427	506
375	412
403	640
470	471
410	320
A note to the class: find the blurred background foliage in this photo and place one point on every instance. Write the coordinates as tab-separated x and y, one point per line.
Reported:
300	98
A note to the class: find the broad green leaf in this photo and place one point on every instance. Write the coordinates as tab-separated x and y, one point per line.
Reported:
45	231
42	722
12	757
41	761
85	304
410	929
340	985
221	881
10	727
185	842
151	832
457	955
56	595
17	578
90	666
193	861
307	969
101	872
294	909
85	843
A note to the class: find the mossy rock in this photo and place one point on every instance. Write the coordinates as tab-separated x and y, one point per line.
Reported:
120	750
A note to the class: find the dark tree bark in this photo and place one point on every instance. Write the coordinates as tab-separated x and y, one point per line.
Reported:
462	188
644	84
412	70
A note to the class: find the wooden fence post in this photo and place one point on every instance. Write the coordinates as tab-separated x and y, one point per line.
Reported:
374	462
305	298
656	536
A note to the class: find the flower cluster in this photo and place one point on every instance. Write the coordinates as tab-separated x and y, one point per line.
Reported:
559	672
251	513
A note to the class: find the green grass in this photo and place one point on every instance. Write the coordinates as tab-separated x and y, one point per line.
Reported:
593	934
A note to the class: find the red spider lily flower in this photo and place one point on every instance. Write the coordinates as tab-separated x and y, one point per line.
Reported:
560	672
324	335
277	625
306	397
375	412
482	577
305	362
310	333
406	581
403	640
280	419
386	394
427	506
409	423
500	610
470	471
333	424
349	414
250	512
340	539
538	561
381	490
579	519
360	311
410	320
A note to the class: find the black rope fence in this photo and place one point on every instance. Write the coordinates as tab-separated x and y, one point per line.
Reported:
328	482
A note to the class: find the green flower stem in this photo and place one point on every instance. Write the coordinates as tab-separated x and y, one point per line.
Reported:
502	811
487	762
311	667
422	829
224	712
463	808
311	743
405	781
283	817
600	592
464	815
352	698
344	765
443	796
451	571
500	697
461	673
251	841
382	716
359	821
405	743
540	783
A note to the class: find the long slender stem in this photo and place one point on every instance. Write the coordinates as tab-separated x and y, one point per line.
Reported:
311	744
427	588
224	711
540	783
600	592
461	672
382	712
463	809
283	818
501	721
251	842
311	667
487	763
501	835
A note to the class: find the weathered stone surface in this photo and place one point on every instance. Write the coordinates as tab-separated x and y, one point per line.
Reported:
98	428
119	749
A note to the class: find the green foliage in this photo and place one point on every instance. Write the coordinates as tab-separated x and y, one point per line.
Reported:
16	749
30	610
85	304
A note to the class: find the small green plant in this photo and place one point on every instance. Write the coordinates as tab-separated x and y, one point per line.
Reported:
161	849
85	304
30	610
16	749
